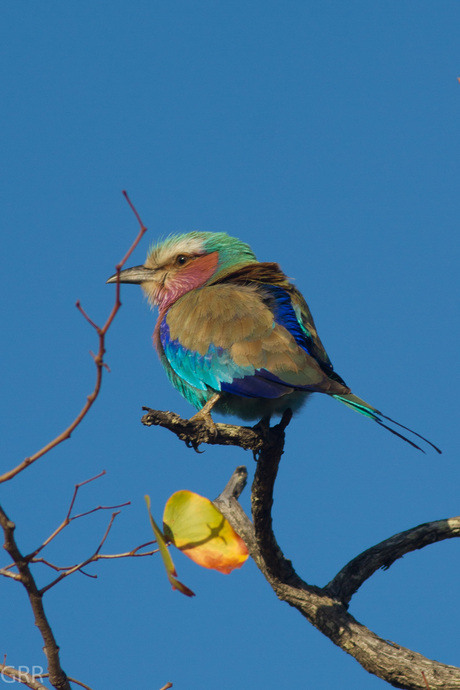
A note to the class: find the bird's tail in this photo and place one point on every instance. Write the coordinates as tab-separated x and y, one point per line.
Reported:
367	410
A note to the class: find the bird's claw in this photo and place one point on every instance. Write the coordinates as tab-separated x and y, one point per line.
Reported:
193	444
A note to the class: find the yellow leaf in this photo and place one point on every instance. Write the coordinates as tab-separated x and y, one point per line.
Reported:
195	526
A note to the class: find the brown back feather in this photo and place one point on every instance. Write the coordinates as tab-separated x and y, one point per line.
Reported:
263	272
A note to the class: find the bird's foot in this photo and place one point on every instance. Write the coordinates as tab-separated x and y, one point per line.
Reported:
204	418
207	430
205	421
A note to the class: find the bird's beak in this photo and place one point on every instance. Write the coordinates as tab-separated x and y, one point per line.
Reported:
136	275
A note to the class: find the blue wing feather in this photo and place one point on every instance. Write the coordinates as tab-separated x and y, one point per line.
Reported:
287	316
259	385
284	315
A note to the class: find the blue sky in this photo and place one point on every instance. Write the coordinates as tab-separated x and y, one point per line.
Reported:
324	134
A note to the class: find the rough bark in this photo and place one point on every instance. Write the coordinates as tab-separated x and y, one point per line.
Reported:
325	608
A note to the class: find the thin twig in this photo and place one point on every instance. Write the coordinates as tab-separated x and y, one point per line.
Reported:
22	677
79	566
6	573
58	678
69	518
78	486
98	360
98	557
72	680
128	554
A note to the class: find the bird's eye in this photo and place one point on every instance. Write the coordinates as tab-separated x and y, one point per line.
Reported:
181	260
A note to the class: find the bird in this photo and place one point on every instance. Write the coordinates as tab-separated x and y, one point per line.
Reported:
235	335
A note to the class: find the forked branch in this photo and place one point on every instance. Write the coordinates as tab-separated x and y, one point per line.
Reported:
325	608
21	563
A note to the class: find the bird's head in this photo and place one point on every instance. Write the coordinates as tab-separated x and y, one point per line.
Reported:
181	263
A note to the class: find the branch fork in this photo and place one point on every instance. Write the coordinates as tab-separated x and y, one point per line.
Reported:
324	607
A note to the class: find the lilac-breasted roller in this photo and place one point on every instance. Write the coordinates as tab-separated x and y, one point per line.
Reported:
233	333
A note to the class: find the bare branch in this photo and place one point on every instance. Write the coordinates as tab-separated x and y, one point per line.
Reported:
128	554
22	677
57	676
72	680
79	566
6	573
77	488
196	432
134	553
69	518
65	571
98	360
384	554
69	570
397	665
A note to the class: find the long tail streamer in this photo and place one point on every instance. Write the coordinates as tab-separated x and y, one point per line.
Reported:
355	403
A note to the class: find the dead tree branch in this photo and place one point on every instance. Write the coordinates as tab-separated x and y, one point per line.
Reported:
325	608
194	433
383	555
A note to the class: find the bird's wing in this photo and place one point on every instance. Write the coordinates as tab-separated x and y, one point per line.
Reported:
293	301
240	339
288	306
